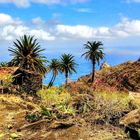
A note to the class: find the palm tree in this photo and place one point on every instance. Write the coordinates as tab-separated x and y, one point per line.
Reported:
94	52
4	64
67	65
53	66
27	55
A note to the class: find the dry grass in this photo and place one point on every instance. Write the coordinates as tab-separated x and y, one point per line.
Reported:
110	107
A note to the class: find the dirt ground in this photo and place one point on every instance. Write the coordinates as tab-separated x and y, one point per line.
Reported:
14	126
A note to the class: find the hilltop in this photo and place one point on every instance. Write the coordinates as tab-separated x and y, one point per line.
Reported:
123	77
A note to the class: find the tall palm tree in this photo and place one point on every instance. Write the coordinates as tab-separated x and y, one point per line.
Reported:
67	65
53	66
94	52
26	54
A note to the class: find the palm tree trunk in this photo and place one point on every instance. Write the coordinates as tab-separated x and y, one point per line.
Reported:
53	79
51	82
66	76
93	71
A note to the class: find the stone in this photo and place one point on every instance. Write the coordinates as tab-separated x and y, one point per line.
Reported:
60	125
131	123
131	120
104	65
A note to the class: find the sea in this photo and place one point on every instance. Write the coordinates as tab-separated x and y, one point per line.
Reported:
84	67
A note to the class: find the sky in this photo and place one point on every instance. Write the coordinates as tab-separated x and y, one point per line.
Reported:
63	26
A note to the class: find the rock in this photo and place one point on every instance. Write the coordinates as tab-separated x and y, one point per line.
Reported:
34	125
104	65
60	125
131	123
131	120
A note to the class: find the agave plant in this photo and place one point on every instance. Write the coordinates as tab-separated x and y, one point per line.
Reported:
26	55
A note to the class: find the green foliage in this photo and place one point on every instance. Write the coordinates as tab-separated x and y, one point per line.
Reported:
83	103
45	112
55	102
54	67
67	65
33	117
139	132
6	82
94	52
6	79
128	134
110	107
4	64
26	53
54	96
66	109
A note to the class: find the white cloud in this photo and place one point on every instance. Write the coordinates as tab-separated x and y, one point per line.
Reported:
5	19
84	10
130	27
26	3
38	21
11	32
59	1
41	34
129	1
82	31
19	3
126	28
12	28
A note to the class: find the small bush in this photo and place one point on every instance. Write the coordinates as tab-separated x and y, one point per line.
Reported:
33	117
66	109
45	112
54	96
111	106
6	80
83	103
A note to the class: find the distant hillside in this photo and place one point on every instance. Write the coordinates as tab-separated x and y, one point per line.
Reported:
125	77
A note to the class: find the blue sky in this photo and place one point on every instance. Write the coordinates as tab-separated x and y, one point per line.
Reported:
65	25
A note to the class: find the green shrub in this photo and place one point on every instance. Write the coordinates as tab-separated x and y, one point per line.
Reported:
111	106
66	109
33	117
83	103
6	81
54	96
45	112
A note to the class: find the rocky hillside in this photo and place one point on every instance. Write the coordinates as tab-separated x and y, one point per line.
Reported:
79	112
15	126
124	77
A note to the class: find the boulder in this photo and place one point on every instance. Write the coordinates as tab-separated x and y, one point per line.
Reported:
104	65
132	119
131	123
